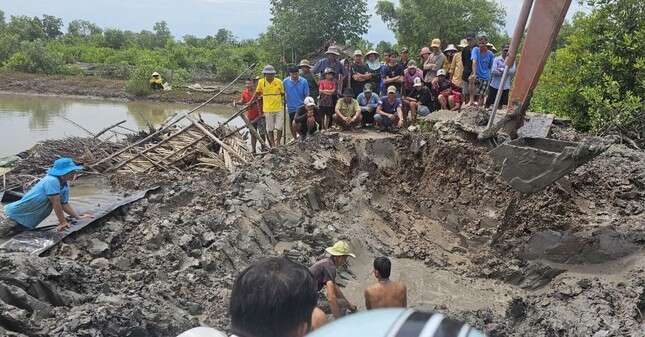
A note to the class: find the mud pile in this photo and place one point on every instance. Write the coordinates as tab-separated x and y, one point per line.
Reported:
562	262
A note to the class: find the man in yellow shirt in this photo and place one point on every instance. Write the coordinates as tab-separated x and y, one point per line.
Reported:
272	92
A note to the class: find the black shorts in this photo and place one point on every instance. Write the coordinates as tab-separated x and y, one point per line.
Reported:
326	110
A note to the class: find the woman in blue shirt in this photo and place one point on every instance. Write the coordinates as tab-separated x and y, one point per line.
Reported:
50	193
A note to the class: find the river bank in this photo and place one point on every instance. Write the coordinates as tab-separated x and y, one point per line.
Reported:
104	88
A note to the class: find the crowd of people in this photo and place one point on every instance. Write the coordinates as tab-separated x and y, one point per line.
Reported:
388	93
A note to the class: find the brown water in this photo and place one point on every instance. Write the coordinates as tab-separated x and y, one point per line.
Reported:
26	120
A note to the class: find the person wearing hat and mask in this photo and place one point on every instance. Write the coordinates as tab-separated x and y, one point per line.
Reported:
305	72
324	272
388	111
348	112
450	52
424	54
482	62
457	66
447	93
307	119
330	61
411	73
50	193
434	62
496	79
405	57
296	89
374	66
360	73
367	101
467	86
271	90
156	82
419	100
327	101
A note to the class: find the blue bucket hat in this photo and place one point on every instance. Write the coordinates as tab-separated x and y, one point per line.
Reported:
63	166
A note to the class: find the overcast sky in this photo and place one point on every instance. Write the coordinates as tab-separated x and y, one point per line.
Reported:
245	18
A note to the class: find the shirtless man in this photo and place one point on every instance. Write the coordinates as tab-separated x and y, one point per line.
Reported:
385	293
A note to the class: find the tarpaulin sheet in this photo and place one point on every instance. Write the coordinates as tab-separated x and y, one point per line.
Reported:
46	236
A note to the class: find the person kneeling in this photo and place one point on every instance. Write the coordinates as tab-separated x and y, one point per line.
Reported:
307	119
348	112
50	193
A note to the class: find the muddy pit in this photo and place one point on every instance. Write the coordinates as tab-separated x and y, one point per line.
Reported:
563	262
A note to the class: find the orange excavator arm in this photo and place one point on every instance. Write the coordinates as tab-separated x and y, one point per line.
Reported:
546	18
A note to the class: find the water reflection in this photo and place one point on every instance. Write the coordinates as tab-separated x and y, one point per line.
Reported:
25	120
40	112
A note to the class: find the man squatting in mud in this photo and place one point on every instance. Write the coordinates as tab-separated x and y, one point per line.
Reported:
50	193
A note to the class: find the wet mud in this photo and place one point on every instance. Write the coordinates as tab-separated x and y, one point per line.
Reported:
562	262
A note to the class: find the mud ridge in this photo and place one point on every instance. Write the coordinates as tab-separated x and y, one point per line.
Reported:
168	262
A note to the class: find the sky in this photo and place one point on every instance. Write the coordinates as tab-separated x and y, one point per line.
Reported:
245	18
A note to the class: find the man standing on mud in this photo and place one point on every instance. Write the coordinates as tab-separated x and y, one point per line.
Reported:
272	92
253	113
50	193
296	90
324	272
385	293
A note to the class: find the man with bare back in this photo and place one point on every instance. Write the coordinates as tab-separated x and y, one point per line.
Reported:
385	293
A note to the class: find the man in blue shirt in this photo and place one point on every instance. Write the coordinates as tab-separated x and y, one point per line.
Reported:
331	61
481	69
496	79
50	193
368	101
388	112
296	89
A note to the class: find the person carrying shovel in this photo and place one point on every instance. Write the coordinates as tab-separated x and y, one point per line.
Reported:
50	193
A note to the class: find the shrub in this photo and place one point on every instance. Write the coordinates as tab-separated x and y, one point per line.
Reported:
138	83
33	57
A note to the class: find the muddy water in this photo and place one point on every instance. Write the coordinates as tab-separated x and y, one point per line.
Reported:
430	288
25	120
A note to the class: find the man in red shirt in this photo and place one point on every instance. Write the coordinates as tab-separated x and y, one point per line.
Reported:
254	113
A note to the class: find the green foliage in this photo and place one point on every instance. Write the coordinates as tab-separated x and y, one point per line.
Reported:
34	57
416	22
299	27
114	38
52	26
598	77
138	84
2	22
83	28
26	28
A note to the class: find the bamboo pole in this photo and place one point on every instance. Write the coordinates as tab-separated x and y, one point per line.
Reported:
255	132
169	124
141	153
217	140
109	128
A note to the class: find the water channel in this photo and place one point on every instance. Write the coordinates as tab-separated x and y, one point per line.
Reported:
26	120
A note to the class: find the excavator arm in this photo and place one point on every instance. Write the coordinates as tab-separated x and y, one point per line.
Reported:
546	18
531	164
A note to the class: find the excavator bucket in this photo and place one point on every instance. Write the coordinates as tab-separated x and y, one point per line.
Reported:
531	164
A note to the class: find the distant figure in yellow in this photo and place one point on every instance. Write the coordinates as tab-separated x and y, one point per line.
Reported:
385	293
156	82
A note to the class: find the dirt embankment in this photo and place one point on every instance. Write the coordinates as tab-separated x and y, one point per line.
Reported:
562	262
91	86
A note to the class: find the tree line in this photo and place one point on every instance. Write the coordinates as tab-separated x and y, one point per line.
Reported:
595	74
